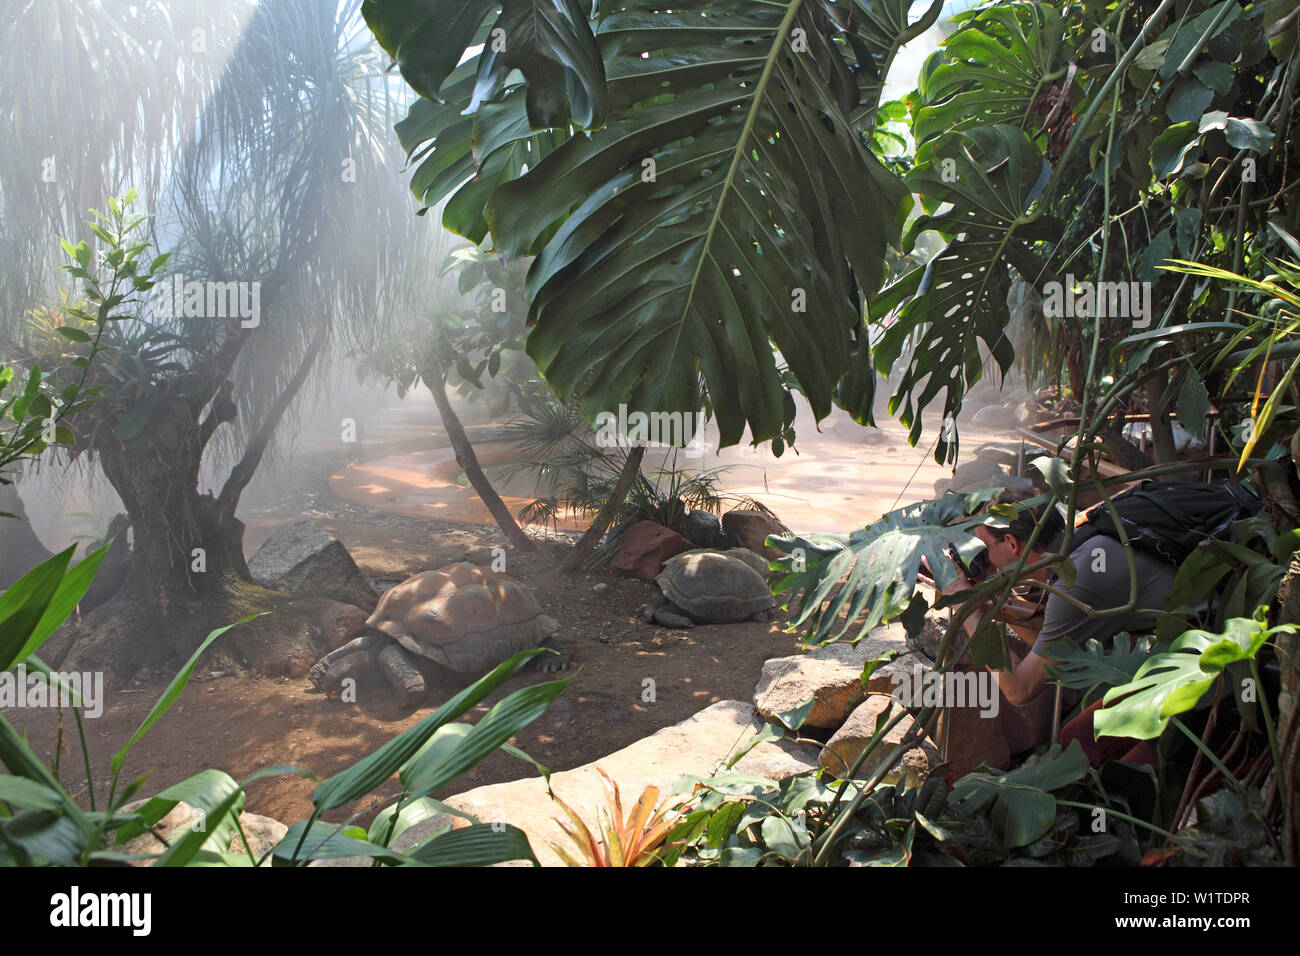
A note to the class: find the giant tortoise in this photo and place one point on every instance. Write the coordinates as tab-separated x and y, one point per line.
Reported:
461	617
706	587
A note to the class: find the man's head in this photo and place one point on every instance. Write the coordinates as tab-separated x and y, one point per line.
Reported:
1006	545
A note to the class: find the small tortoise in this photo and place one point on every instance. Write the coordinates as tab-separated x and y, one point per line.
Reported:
706	587
461	617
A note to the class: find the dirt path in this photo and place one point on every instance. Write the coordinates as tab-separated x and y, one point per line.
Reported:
241	724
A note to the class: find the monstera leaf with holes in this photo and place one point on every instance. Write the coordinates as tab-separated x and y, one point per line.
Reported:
1171	683
548	41
729	205
990	176
877	565
992	69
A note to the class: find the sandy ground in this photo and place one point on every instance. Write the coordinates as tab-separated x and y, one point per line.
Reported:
402	510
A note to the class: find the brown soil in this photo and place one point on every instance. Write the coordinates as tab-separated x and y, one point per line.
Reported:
241	724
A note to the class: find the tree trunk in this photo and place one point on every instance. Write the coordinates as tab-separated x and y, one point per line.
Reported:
587	543
228	526
466	458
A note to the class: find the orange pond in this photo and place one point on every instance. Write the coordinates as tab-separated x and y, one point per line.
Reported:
842	477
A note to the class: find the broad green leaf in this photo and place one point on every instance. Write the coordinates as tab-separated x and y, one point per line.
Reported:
1241	133
1171	683
549	41
440	765
1093	664
205	791
372	770
480	845
959	299
763	219
24	603
309	840
994	69
878	565
71	590
1023	806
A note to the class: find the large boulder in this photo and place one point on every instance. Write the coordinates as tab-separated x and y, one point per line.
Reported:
646	546
830	675
697	746
749	528
305	559
847	744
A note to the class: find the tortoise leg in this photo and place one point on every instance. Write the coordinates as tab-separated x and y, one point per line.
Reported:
556	658
346	661
655	604
761	615
670	615
401	672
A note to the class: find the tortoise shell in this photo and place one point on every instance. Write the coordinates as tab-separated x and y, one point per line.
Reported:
462	617
710	586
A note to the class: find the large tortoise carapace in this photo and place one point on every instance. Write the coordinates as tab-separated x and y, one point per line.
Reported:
461	617
709	587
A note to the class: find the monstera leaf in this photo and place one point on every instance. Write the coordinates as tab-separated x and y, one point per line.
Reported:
1023	806
877	565
1171	683
1092	665
989	175
992	69
549	41
729	204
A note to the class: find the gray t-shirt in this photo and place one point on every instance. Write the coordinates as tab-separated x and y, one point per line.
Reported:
1102	582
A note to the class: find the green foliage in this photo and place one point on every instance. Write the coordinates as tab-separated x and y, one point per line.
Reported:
762	216
877	565
1172	682
36	410
40	823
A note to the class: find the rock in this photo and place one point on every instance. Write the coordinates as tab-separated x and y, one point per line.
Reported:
645	548
847	744
1001	454
263	832
830	675
995	416
695	747
973	475
702	528
600	588
748	528
1028	413
759	564
302	558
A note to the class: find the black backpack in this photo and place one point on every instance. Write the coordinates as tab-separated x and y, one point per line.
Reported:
1169	519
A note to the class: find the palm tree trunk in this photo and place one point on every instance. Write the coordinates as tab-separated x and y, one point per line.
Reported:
466	458
587	543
